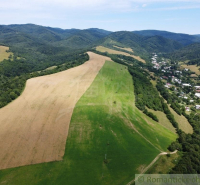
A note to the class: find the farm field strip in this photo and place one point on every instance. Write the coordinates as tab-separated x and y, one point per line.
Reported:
112	51
34	127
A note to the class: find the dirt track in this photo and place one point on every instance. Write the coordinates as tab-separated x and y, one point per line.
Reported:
150	165
34	127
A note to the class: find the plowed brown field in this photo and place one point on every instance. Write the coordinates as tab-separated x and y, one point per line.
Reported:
34	127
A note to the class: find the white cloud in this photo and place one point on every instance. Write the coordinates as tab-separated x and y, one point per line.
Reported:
144	5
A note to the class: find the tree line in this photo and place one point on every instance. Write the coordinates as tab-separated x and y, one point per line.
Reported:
12	83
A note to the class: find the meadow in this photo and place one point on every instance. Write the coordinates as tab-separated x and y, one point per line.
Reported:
112	51
193	68
3	53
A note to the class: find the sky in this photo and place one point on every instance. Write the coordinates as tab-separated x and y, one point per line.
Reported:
180	16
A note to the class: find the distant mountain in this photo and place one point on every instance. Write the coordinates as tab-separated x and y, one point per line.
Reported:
141	43
198	35
184	39
83	38
73	38
40	43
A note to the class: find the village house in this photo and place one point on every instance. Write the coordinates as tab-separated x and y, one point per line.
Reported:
197	95
197	106
187	108
186	85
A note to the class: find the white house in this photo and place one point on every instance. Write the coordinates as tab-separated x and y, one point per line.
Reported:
197	95
186	85
197	106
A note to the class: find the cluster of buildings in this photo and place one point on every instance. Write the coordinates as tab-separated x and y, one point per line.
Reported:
175	81
156	64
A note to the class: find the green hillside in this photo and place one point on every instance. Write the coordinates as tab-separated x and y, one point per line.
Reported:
191	53
140	44
109	139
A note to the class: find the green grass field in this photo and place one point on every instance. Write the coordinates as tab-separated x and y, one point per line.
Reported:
109	139
163	119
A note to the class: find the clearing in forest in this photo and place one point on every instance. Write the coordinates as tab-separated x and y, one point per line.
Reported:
3	53
182	122
193	68
163	120
34	127
112	51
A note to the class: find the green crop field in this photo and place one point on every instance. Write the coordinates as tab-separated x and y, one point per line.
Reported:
109	139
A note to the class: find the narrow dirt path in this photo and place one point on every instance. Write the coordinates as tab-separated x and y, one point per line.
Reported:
149	166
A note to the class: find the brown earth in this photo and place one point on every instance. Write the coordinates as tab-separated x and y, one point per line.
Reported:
34	127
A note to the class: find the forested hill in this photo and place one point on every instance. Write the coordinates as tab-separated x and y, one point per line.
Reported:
140	43
38	47
72	38
191	53
184	39
42	47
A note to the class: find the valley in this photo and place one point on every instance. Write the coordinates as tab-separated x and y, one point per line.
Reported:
94	106
106	136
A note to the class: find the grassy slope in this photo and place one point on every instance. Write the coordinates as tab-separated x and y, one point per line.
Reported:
3	53
182	122
101	124
164	164
112	51
163	119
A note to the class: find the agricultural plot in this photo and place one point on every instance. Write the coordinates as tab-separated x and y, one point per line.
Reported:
109	139
3	53
112	51
127	49
34	127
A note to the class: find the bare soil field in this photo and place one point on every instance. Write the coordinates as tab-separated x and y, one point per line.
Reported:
3	53
111	51
34	127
